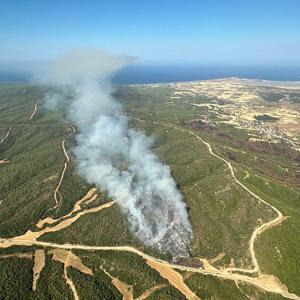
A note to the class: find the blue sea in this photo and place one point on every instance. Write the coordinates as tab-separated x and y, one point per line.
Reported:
136	74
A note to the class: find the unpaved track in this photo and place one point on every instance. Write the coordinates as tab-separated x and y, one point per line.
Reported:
57	196
88	198
4	161
265	282
69	281
64	223
125	289
174	278
39	263
70	259
6	135
150	291
258	230
18	255
34	110
56	192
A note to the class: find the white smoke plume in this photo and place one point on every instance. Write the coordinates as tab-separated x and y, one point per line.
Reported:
117	158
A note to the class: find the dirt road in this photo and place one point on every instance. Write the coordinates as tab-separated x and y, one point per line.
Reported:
57	196
174	278
258	230
124	289
265	282
6	135
34	111
69	281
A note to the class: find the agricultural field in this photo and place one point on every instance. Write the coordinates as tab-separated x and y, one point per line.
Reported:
233	147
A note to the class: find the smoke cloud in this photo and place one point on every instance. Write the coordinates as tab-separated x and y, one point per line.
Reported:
117	158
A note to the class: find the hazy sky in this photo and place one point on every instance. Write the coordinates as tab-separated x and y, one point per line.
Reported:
228	31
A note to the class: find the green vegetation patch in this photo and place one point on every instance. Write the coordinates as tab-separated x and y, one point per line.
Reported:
93	287
16	278
266	118
127	267
51	284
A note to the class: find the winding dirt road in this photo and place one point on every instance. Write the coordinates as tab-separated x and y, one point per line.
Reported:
39	263
68	280
5	161
34	110
150	291
264	282
174	278
57	196
56	191
258	230
125	290
6	135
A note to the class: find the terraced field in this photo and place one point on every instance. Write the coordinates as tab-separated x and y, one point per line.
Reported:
61	236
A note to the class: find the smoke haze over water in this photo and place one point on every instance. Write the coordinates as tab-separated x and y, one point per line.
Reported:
117	158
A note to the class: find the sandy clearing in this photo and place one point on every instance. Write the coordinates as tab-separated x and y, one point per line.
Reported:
89	197
44	221
265	282
258	282
70	259
4	161
67	222
33	235
30	236
273	281
92	199
207	266
174	278
39	263
125	289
